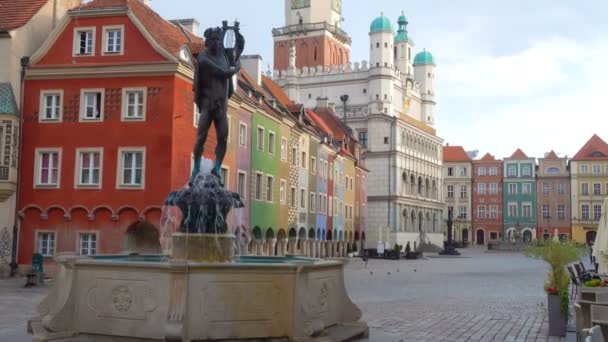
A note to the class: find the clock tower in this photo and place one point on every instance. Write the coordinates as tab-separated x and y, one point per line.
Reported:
314	28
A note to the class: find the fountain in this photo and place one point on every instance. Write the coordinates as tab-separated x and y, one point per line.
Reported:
198	290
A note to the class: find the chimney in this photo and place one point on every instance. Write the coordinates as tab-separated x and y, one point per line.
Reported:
322	102
253	65
189	24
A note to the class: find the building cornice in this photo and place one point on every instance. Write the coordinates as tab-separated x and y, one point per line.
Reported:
112	70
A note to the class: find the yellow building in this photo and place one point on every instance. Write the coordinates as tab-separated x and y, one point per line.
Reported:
349	197
589	186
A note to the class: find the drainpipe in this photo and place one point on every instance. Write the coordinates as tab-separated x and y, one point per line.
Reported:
25	61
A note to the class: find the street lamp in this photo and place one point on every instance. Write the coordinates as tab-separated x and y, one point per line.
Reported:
449	248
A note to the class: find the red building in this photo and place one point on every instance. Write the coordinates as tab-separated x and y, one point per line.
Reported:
487	199
108	130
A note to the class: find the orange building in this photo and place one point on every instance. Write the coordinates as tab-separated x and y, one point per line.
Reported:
108	129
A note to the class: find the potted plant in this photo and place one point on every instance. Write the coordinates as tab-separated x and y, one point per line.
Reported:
557	255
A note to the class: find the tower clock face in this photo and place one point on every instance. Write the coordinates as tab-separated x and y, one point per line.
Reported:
336	5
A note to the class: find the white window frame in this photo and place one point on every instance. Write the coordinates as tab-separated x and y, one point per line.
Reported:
282	191
257	145
563	188
584	168
226	179
562	212
596	168
450	191
598	188
525	205
313	165
293	203
511	170
38	165
597	212
79	242
284	149
38	241
272	150
242	137
493	211
493	171
244	194
526	188
119	168
312	202
258	184
304	160
512	205
104	40
514	192
481	171
303	203
78	168
481	188
42	108
493	188
76	41
269	189
83	105
125	104
583	206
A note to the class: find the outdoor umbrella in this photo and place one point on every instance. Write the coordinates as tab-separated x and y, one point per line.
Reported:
600	247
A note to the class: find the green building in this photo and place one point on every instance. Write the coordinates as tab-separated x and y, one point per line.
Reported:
519	197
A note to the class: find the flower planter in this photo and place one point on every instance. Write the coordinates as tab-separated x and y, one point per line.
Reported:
557	319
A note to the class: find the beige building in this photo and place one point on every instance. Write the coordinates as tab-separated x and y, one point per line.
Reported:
24	25
458	191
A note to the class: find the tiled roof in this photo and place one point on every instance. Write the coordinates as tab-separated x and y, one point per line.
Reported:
455	154
336	125
552	155
276	91
594	149
320	123
166	34
519	154
295	107
8	105
488	157
16	13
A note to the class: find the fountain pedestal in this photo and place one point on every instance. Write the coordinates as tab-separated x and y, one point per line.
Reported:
202	247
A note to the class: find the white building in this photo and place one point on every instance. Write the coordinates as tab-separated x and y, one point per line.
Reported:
389	102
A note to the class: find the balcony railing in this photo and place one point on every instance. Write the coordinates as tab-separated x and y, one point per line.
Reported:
304	28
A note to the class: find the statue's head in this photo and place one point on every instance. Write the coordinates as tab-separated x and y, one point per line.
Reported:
213	39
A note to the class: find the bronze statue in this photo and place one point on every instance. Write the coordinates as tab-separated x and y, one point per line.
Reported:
214	84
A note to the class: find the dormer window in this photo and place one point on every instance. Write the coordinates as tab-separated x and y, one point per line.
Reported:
84	41
113	40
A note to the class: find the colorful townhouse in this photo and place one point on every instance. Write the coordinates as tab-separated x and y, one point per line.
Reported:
458	190
487	202
589	187
24	25
553	198
118	78
360	206
519	197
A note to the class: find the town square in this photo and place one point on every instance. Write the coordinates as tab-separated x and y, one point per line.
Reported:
302	170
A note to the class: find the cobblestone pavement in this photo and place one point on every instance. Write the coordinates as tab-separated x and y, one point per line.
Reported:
478	297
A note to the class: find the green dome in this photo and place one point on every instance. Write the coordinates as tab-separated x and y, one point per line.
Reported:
402	31
424	57
401	37
402	19
381	23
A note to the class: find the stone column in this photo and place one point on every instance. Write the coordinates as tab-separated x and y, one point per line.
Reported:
259	247
272	244
283	246
291	246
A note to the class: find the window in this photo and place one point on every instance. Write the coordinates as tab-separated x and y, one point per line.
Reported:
463	171
546	213
526	188
134	104
258	186
313	165
131	167
481	212
561	189
493	188
481	188
561	212
597	212
493	211
493	236
84	41
546	187
292	199
91	105
493	171
225	177
312	202
283	149
597	188
512	170
282	190
481	171
303	160
596	168
526	209
584	168
113	39
269	188
48	169
242	134
512	189
585	212
242	185
88	244
450	171
46	243
463	191
88	165
330	203
462	212
50	105
294	157
525	171
260	144
585	189
302	199
363	138
512	209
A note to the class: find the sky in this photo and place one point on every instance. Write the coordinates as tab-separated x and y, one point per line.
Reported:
526	74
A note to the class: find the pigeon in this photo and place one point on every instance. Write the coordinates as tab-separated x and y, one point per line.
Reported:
389	273
414	270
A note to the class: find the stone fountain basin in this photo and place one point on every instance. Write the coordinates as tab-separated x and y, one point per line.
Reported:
154	298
